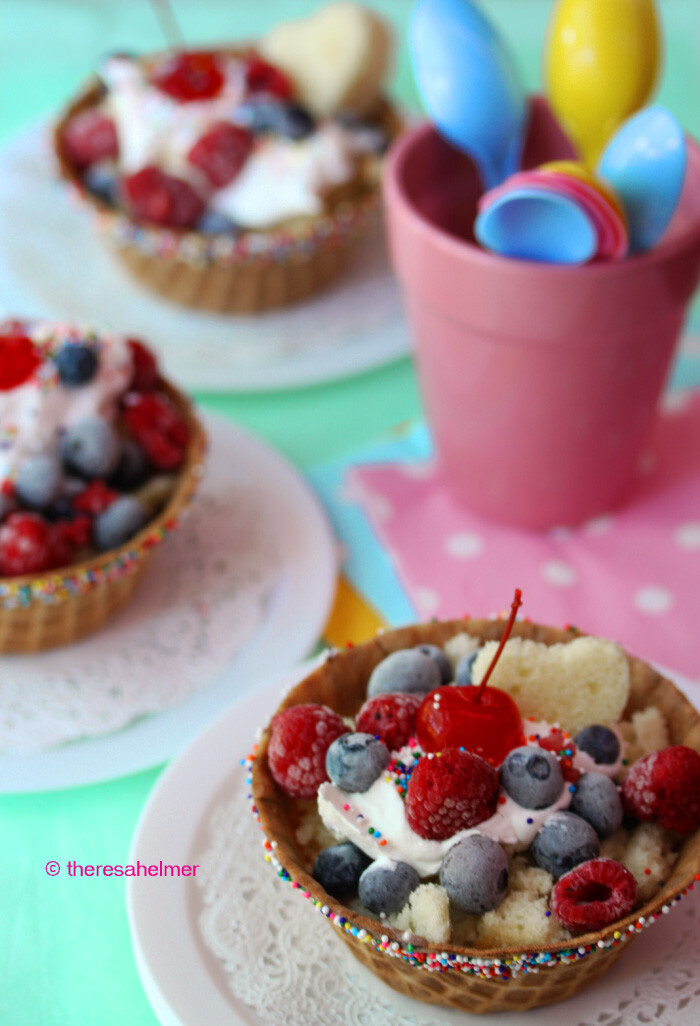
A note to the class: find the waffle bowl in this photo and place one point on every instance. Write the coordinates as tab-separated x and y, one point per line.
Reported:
477	980
259	269
42	611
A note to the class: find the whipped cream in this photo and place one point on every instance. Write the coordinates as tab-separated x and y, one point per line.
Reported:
34	414
282	178
349	816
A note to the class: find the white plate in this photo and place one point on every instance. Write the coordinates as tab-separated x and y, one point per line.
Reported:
185	982
302	592
53	265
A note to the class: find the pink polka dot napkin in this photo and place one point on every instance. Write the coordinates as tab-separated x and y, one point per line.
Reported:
632	575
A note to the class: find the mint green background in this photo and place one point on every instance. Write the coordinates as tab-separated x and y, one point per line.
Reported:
65	956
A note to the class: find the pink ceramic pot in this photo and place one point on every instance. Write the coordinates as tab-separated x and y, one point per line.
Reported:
540	382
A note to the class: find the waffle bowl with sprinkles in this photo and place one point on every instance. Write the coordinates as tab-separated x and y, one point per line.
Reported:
88	539
477	974
252	203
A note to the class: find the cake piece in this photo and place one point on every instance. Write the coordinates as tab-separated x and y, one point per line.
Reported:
575	684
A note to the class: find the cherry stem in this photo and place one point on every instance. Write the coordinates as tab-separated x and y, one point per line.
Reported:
515	606
169	25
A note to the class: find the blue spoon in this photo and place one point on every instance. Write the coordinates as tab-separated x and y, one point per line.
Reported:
645	163
469	85
534	224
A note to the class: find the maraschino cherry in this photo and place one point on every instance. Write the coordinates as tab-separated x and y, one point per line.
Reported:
482	720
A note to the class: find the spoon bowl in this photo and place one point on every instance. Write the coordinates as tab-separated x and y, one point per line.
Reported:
531	223
645	162
469	85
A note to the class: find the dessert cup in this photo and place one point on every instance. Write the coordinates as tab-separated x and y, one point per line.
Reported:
255	271
470	979
42	611
541	382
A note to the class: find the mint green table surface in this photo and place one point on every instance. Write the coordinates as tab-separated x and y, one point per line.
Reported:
65	956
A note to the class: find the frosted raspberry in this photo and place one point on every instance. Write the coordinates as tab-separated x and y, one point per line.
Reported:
299	740
391	717
90	136
145	377
593	895
262	77
28	545
188	76
449	792
221	153
158	427
664	788
161	199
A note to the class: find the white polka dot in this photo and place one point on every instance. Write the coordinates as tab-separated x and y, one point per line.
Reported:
427	601
417	471
560	534
558	573
653	599
687	536
675	402
382	508
599	525
463	545
646	463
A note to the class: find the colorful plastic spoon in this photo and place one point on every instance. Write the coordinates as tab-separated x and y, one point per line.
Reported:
601	63
469	84
645	163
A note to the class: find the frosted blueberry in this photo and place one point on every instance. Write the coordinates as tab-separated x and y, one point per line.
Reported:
474	872
597	800
354	761
338	869
601	743
564	841
444	664
118	523
91	448
385	886
405	670
532	777
38	482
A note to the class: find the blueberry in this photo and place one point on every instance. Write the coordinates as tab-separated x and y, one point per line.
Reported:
354	761
597	800
91	448
213	223
443	663
338	869
463	670
133	468
38	482
563	842
474	872
285	119
532	777
601	743
76	364
101	180
120	521
405	670
385	886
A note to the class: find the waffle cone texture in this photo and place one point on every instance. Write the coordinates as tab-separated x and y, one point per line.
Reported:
477	980
43	611
261	269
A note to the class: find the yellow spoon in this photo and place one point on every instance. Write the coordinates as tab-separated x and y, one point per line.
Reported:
601	62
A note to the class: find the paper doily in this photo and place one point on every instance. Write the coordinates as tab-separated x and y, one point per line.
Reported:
281	959
204	596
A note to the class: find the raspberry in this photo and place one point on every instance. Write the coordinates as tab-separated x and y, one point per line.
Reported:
158	427
28	545
162	199
299	740
664	788
77	533
90	136
391	717
450	791
262	77
189	76
18	360
221	153
145	376
593	895
95	498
